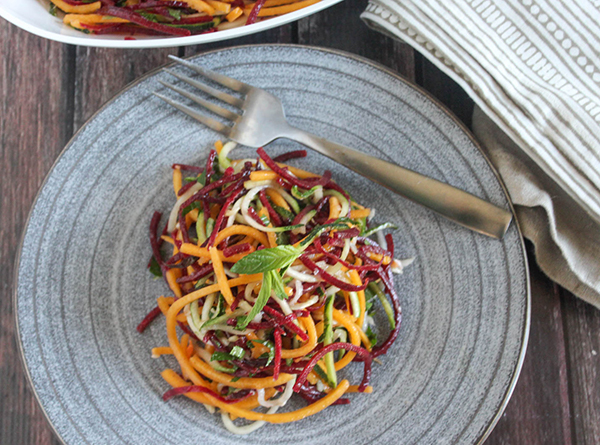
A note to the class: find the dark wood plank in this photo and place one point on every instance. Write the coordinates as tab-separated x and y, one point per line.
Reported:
35	124
101	73
539	410
582	329
340	27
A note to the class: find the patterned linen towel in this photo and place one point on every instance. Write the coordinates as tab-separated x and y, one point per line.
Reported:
533	69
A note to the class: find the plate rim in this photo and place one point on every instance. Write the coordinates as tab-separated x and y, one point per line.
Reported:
527	322
166	41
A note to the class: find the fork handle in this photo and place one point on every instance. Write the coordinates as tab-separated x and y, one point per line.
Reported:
457	205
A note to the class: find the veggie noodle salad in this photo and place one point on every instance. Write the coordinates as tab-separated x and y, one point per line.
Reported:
274	280
176	18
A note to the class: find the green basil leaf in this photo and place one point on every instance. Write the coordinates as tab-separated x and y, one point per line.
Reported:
283	238
372	336
155	268
192	206
221	357
278	287
369	307
237	352
264	260
261	302
53	9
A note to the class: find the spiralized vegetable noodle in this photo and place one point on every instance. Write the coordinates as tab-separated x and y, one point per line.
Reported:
272	284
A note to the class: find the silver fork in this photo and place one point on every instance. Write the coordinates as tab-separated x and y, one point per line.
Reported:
261	120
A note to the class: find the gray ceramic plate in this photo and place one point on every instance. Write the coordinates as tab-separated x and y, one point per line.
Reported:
83	284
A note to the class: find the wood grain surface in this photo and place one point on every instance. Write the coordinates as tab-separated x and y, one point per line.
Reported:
48	90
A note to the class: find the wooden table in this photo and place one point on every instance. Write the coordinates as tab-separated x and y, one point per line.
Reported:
48	90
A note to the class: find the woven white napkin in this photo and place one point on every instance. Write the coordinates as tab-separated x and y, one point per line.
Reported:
533	69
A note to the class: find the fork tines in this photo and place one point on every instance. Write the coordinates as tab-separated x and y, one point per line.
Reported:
225	81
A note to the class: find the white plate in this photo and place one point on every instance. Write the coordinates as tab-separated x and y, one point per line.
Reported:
33	16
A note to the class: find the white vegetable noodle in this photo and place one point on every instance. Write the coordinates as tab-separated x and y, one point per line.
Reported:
281	401
285	307
208	304
183	198
318	195
246	205
223	161
381	240
190	319
229	273
353	296
345	250
231	214
295	273
298	291
371	215
399	265
305	304
248	185
304	221
248	292
238	165
332	290
246	429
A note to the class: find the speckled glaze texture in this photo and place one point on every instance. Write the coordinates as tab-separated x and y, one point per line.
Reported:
83	285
